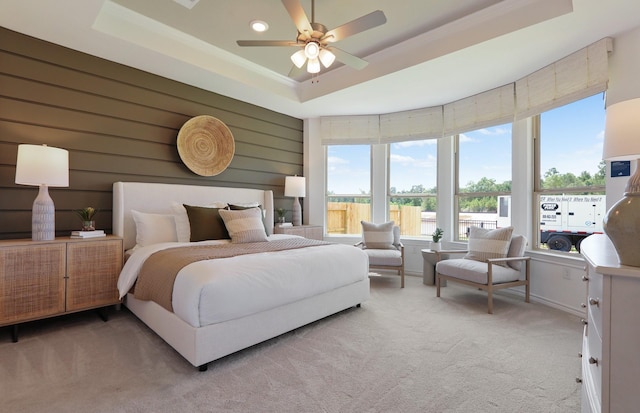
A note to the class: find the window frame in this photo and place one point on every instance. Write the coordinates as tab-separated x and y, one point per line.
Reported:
539	191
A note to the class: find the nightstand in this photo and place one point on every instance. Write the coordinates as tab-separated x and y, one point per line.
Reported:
40	279
307	231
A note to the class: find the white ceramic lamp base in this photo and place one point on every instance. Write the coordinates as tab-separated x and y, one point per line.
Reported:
43	219
622	223
297	212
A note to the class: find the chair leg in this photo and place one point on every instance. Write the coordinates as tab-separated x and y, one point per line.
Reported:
402	277
437	285
528	284
490	300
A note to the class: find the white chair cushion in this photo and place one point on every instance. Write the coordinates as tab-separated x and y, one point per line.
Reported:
476	271
384	257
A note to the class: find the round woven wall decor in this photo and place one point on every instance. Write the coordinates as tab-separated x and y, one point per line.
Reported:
206	145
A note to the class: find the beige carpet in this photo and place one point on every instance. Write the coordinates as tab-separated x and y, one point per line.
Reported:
403	351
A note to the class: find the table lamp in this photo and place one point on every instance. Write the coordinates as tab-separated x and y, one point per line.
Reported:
295	186
622	142
43	166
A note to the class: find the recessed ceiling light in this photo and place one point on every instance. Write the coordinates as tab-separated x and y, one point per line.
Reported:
259	26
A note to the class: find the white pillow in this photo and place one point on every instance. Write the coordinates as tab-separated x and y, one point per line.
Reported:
244	225
154	228
485	244
378	236
183	229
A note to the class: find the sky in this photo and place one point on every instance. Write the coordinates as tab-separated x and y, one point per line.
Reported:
571	141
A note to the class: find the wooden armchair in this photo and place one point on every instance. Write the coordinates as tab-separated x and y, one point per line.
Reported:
490	274
382	245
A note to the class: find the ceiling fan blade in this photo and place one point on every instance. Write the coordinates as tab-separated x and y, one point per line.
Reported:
348	59
267	43
296	72
358	25
298	16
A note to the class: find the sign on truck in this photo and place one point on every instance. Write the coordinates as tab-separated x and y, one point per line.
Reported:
565	220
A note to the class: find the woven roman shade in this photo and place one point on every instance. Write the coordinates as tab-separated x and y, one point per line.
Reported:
411	125
490	108
350	130
577	76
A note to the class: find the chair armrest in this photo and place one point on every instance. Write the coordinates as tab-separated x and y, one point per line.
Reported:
507	259
359	244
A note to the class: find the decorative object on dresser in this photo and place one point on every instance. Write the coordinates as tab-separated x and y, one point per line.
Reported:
281	212
295	186
86	215
307	231
622	222
206	145
493	262
45	279
94	233
611	337
43	166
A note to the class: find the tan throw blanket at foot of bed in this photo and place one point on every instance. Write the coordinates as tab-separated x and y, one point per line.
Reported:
158	273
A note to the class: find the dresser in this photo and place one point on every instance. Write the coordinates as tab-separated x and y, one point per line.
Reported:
40	279
611	339
307	231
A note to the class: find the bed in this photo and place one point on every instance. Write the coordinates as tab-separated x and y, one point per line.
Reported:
294	294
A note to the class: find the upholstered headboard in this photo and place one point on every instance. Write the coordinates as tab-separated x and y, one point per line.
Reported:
157	198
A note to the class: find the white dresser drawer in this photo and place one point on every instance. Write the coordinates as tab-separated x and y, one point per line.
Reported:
594	300
591	393
592	356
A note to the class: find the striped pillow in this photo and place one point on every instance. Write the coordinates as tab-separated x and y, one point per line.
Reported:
489	243
244	225
378	236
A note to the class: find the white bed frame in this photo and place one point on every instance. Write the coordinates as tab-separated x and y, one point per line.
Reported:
204	344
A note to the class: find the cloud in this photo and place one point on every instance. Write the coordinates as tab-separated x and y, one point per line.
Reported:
466	138
495	131
408	144
409	161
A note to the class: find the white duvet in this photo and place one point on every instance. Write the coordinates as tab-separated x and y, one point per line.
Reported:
213	291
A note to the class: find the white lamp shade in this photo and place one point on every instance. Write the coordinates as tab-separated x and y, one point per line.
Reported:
294	186
622	131
298	58
313	66
327	58
42	165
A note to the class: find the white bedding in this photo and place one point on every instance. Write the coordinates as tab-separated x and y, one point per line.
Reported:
214	291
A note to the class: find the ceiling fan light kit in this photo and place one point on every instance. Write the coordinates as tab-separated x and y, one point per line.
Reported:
316	38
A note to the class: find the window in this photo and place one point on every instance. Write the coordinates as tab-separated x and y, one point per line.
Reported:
413	186
348	196
484	179
570	175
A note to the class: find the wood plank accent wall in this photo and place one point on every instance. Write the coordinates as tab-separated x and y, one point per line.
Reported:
120	124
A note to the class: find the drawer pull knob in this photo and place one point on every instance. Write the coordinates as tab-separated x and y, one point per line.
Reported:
583	305
583	321
594	301
578	380
580	355
585	278
593	360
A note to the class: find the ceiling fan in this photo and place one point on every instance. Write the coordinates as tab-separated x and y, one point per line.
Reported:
314	39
